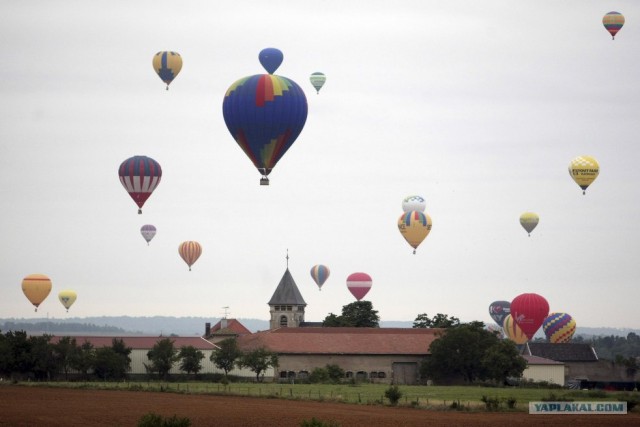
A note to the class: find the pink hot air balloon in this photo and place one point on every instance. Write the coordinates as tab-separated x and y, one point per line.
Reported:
359	284
529	311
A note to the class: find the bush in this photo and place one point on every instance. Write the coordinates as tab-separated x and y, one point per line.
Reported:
552	397
394	394
155	420
511	402
313	422
319	375
491	403
336	373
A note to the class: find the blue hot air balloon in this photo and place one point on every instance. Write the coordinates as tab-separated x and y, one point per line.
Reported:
320	273
265	114
270	58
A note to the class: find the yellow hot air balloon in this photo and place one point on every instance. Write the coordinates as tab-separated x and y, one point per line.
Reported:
513	331
67	298
167	64
414	227
190	251
36	287
584	170
529	221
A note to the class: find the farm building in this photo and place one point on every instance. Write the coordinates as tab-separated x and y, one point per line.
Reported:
541	369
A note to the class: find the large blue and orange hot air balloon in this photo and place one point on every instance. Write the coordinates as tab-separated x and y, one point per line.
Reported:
167	64
320	274
140	175
414	227
265	114
613	22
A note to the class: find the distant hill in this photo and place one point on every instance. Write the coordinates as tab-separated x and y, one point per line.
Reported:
191	326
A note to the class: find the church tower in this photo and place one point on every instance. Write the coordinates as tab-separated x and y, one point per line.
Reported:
286	306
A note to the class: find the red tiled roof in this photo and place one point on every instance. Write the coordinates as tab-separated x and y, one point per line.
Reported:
141	343
397	341
234	327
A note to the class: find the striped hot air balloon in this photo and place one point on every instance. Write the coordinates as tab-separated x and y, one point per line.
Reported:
513	331
320	273
613	22
140	175
167	64
148	232
190	251
359	284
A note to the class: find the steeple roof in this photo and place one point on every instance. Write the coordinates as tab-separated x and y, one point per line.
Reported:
287	292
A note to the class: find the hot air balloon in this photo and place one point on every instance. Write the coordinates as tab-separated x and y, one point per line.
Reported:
529	221
414	227
270	58
140	175
265	114
36	287
498	310
513	331
584	170
320	273
190	251
148	231
359	284
317	81
67	298
413	203
559	327
529	311
167	64
613	22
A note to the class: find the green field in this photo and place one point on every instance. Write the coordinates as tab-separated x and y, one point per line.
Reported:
436	397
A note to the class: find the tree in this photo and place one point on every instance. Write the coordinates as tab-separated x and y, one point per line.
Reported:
190	359
43	361
84	359
226	355
258	361
460	353
162	356
64	351
502	360
359	314
439	321
112	362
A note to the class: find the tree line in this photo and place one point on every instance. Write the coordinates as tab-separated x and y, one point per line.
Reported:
37	357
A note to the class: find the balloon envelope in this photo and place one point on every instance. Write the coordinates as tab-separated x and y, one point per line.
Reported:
559	327
148	231
498	310
413	203
265	115
414	226
359	284
190	251
67	298
584	170
36	288
320	273
613	22
513	331
529	221
140	175
317	81
167	64
529	311
270	58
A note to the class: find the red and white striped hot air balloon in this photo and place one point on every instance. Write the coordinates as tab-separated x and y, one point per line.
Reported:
359	284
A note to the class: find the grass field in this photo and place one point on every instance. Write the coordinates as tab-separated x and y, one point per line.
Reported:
469	397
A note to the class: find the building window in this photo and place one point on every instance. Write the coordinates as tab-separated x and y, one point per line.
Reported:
291	374
348	374
382	375
361	375
303	374
276	308
373	374
283	374
289	308
301	308
283	321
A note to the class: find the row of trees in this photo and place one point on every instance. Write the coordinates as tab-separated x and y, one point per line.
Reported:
37	357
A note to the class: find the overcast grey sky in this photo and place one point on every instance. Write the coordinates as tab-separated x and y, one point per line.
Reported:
477	106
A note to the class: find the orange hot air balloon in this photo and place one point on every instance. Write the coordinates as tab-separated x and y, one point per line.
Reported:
36	287
190	251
